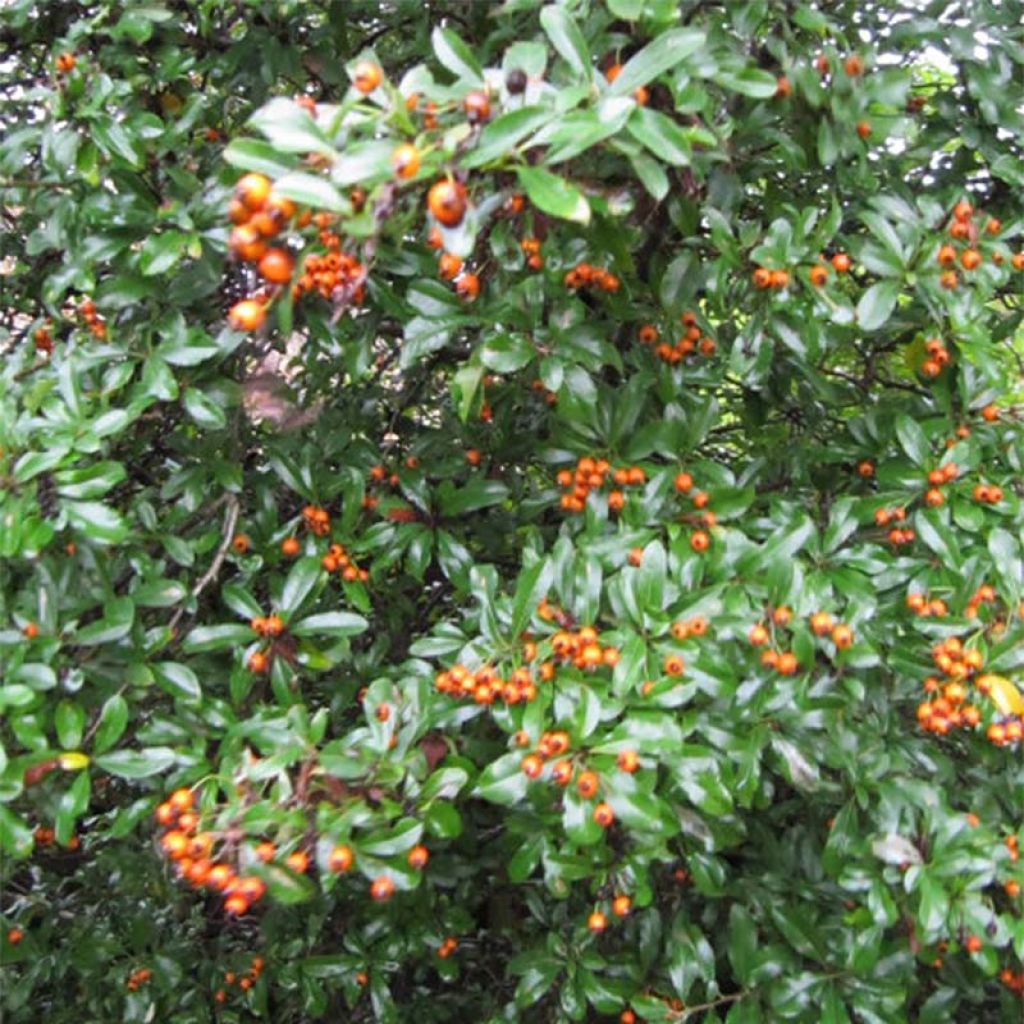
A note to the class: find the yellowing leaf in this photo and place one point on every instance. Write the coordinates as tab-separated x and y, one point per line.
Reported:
74	761
1005	695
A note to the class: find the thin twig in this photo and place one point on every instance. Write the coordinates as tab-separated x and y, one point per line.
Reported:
230	521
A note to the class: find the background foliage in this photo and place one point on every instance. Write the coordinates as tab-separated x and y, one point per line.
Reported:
793	844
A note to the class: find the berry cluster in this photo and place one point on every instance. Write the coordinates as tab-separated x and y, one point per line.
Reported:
96	324
317	520
334	276
962	228
987	494
591	475
948	707
245	979
337	560
938	357
549	755
191	851
897	534
583	275
138	978
485	686
693	340
937	479
447	947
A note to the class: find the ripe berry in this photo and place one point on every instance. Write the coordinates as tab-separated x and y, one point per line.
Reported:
853	66
290	547
603	815
842	637
477	107
621	906
840	263
683	483
418	857
597	922
30	631
448	266
627	761
674	665
381	889
783	89
247	315
236	904
699	541
298	862
405	161
446	201
467	287
265	852
339	860
14	936
276	266
532	766
253	190
963	211
758	636
863	129
366	76
973	944
818	276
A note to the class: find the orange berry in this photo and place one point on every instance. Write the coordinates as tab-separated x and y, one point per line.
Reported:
699	541
621	906
405	161
382	889
253	190
246	315
366	76
276	266
418	857
597	922
290	547
446	201
298	862
586	785
603	815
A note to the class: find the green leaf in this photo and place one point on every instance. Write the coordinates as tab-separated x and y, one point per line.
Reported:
290	128
478	493
256	155
161	252
111	137
178	680
203	410
665	52
118	617
390	842
112	723
661	135
502	781
301	580
312	191
749	81
877	303
69	720
506	353
330	624
455	56
554	195
937	536
913	440
137	764
500	137
1006	558
566	38
97	521
216	638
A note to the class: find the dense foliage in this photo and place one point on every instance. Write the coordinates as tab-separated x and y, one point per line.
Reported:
511	511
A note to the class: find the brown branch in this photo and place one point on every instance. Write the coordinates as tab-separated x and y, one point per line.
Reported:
228	531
